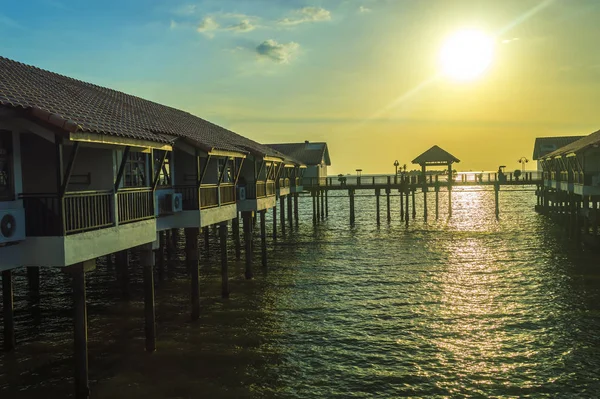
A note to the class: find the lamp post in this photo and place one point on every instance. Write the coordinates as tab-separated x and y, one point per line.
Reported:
523	161
358	173
396	164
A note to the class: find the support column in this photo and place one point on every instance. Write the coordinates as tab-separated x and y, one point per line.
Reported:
496	199
594	218
322	204
351	195
224	270
191	258
289	211
326	204
437	202
263	238
274	223
147	262
235	226
414	209
247	219
407	204
401	205
175	238
449	200
80	355
282	214
169	247
296	208
318	193
8	311
377	193
159	258
123	265
33	281
425	203
206	241
313	194
387	195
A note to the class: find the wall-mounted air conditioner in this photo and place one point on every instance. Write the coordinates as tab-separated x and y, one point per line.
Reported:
12	225
177	202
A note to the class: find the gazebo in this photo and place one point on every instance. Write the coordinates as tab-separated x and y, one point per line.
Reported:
436	156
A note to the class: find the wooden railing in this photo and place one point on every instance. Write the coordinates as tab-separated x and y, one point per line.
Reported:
227	194
283	182
135	204
209	196
270	188
297	181
261	189
48	215
189	196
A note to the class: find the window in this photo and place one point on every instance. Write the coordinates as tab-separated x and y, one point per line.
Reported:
164	175
228	173
6	184
135	170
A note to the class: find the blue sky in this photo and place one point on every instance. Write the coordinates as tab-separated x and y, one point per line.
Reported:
343	71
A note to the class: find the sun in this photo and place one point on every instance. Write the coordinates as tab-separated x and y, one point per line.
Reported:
466	54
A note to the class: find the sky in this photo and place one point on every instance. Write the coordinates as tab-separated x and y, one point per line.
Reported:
362	75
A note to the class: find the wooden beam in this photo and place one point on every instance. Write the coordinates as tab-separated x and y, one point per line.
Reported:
122	168
58	153
69	171
239	171
257	174
222	171
201	171
157	173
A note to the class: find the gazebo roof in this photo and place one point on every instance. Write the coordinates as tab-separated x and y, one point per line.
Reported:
435	156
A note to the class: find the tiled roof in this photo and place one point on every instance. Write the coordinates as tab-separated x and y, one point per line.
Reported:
308	153
577	146
435	155
545	145
74	105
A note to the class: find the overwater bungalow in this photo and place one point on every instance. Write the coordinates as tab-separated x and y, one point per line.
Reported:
545	145
86	171
314	155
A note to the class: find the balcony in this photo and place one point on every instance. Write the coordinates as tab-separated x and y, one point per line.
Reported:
260	190
211	196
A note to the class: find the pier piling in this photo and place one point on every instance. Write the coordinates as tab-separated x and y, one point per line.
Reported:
235	226
191	251
326	205
296	208
159	257
263	238
33	281
290	214
80	355
206	241
313	194
496	199
406	216
123	266
377	193
401	205
437	202
351	196
247	219
224	269
425	203
274	223
147	263
387	196
282	215
318	194
8	311
414	209
322	204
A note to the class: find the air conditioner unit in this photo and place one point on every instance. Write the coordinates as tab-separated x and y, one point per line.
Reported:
12	225
242	193
177	202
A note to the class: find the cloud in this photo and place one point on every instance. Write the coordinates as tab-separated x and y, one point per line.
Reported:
244	26
207	26
185	9
173	25
307	14
363	9
282	53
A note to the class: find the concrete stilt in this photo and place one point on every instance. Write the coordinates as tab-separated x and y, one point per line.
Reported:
109	263
175	239
437	202
313	194
282	215
449	200
169	246
82	390
387	195
351	196
147	263
377	193
326	204
496	199
401	205
247	219
318	194
235	226
33	281
407	203
274	223
123	266
191	258
322	204
263	238
8	311
414	209
296	208
159	256
290	214
206	241
425	203
224	269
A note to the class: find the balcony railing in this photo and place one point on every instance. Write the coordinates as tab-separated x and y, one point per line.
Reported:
261	189
135	204
297	181
209	196
284	182
227	194
46	214
270	188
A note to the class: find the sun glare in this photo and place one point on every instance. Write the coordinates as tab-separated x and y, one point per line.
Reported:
466	54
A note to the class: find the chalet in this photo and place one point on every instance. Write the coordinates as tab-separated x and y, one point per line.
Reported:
314	155
86	171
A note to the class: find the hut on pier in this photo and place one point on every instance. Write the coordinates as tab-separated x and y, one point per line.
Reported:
435	157
314	155
545	145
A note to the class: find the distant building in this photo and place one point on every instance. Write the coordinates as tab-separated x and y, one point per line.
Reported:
545	145
314	155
